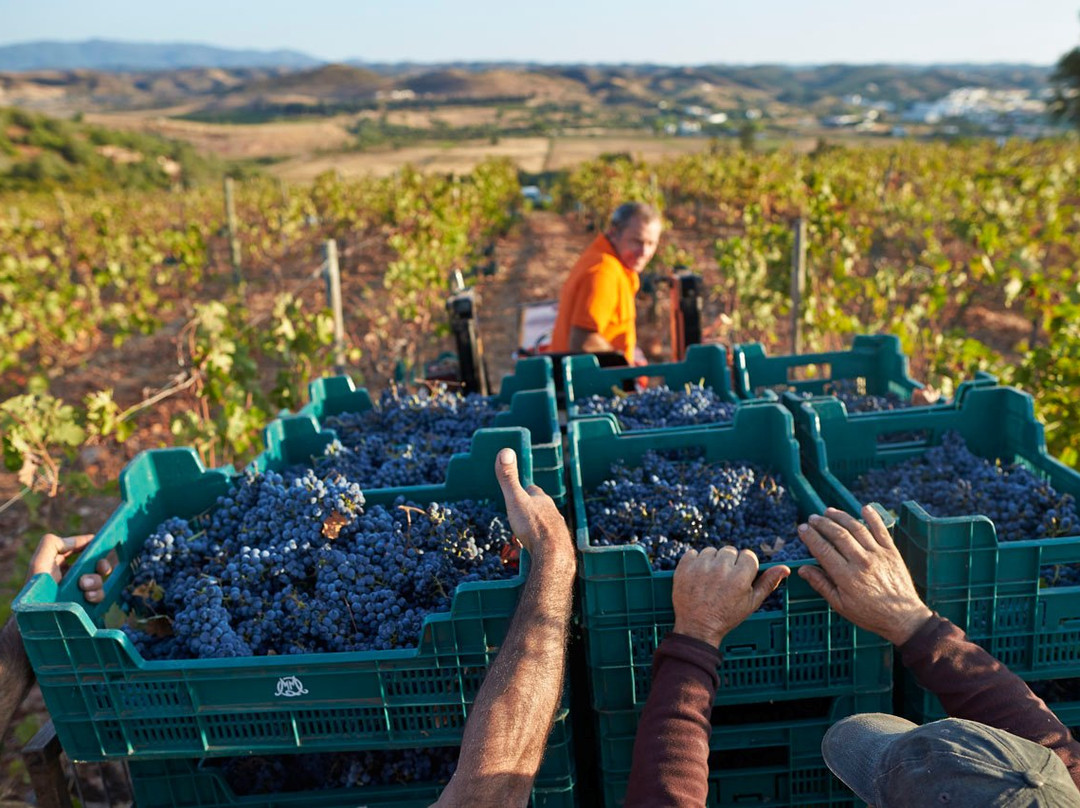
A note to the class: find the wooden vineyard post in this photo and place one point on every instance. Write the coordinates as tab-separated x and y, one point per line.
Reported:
234	239
332	275
798	281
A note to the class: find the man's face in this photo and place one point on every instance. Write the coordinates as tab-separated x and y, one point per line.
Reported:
636	243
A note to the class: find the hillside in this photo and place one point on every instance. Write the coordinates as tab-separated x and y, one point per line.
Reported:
40	152
721	86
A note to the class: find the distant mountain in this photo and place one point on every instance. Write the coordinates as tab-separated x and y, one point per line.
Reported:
101	54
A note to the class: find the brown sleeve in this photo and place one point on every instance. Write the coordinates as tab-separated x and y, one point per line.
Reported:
974	685
671	748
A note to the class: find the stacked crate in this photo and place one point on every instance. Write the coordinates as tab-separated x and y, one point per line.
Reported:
786	674
528	395
704	365
175	720
994	590
875	363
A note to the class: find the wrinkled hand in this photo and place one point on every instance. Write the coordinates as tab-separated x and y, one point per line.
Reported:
714	590
862	575
533	515
53	551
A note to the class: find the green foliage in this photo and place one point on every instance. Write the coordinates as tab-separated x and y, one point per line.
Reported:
597	187
1065	105
51	153
34	428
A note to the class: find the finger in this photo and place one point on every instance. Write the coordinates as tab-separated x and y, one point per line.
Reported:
838	536
93	595
106	565
45	558
535	491
687	560
876	525
767	582
820	583
857	529
747	558
821	548
729	554
506	472
72	543
89	582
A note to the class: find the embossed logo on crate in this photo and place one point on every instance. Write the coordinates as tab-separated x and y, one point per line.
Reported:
290	686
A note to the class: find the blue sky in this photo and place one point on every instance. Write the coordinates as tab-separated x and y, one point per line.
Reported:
663	31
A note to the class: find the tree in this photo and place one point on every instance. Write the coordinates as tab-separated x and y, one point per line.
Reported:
1065	105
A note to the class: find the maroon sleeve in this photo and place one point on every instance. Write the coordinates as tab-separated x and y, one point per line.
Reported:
671	748
974	685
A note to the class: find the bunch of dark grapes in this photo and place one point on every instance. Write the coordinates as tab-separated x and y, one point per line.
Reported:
856	399
661	406
406	439
668	506
949	480
294	563
274	774
853	393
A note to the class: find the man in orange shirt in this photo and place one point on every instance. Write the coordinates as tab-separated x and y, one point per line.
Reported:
596	306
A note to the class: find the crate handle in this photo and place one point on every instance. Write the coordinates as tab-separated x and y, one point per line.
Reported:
740	649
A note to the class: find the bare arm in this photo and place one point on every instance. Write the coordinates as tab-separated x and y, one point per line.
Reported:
505	736
16	675
713	592
588	341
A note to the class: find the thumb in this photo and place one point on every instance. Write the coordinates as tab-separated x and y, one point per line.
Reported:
767	582
506	472
73	543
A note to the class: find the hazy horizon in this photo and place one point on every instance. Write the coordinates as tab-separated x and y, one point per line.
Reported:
682	32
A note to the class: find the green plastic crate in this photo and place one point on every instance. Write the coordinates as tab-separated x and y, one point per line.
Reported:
760	754
704	364
921	707
528	394
197	783
992	591
988	588
106	701
803	650
995	422
874	358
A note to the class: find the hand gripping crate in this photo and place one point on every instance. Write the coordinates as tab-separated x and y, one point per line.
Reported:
759	754
704	364
802	650
528	395
201	783
991	589
107	701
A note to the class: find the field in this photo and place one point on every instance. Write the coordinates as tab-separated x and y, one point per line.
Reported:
128	329
304	149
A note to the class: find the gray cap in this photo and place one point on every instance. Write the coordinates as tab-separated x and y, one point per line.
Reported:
890	762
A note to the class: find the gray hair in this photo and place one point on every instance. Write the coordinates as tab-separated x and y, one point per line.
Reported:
628	211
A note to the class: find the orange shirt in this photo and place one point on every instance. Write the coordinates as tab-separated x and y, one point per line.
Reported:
599	296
